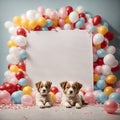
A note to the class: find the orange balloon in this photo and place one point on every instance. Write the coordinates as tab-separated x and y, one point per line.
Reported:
111	79
55	22
108	90
97	46
95	77
102	30
67	20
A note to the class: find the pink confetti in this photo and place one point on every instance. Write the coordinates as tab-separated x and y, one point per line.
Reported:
25	118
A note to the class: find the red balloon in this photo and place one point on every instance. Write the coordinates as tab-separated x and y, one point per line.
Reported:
54	89
69	9
109	36
95	64
18	87
9	66
19	75
115	68
2	87
37	28
100	61
21	31
22	66
96	20
103	44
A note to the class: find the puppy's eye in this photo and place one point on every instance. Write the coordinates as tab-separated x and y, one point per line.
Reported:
74	87
41	86
46	86
67	87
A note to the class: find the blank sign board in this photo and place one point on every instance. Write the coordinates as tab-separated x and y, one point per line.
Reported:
59	56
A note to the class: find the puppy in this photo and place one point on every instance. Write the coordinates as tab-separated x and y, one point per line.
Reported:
43	98
71	90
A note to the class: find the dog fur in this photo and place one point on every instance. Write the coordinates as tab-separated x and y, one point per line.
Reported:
71	96
43	98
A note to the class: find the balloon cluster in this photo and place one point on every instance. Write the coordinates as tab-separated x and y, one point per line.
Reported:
66	18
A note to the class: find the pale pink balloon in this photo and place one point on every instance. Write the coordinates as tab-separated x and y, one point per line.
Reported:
90	98
117	90
61	22
88	89
14	81
27	100
110	106
58	98
53	15
5	97
41	10
98	69
63	12
118	84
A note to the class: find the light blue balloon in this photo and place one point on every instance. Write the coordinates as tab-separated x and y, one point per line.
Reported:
101	53
22	82
79	24
105	24
92	28
102	77
16	97
115	96
82	19
44	29
49	23
23	55
95	87
101	84
101	97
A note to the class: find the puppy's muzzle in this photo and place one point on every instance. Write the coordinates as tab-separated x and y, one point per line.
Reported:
71	92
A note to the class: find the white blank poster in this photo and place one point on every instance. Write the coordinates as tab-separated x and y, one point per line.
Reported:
59	56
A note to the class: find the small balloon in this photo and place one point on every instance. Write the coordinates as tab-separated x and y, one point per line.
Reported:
27	100
108	90
109	36
98	38
102	30
21	31
19	75
22	82
11	43
115	96
111	79
96	20
27	90
73	17
54	89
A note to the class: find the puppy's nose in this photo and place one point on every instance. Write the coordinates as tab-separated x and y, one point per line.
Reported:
71	91
44	90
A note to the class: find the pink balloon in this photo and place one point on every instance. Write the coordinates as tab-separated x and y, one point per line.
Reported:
88	89
117	90
41	10
110	106
98	69
94	50
118	84
53	15
61	22
13	81
58	98
27	100
90	98
5	97
63	12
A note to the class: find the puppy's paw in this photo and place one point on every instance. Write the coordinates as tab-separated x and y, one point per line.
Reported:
78	106
41	105
67	105
48	104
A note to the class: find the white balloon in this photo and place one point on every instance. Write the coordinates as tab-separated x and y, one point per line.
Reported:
73	17
109	59
115	64
12	37
15	51
48	11
67	27
12	59
106	69
20	40
110	49
98	38
7	74
80	9
95	57
37	15
9	24
12	30
30	14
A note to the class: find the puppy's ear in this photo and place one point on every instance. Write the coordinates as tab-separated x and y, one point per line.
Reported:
38	84
49	83
63	84
79	85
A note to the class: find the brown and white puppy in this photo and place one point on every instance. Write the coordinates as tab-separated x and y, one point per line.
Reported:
72	98
43	98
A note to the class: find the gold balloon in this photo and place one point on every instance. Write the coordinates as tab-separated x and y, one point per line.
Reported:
32	24
111	79
27	90
24	23
11	43
17	20
41	21
52	95
108	90
95	77
98	46
67	20
13	68
102	30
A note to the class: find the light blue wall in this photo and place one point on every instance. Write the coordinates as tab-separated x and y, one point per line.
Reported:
108	9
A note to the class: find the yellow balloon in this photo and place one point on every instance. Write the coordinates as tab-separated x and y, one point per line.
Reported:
98	46
17	20
32	24
67	20
102	30
25	23
108	90
55	22
111	79
41	21
27	90
13	68
11	43
95	77
52	95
